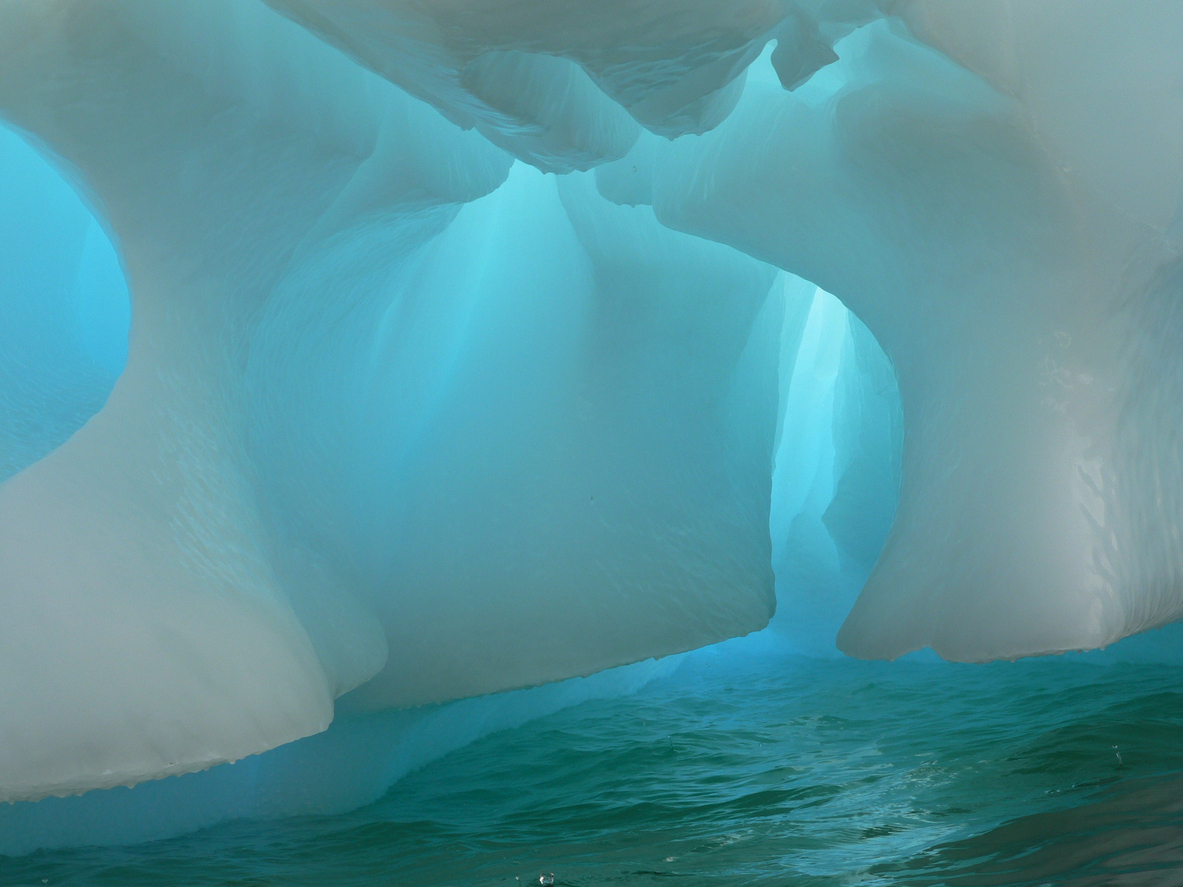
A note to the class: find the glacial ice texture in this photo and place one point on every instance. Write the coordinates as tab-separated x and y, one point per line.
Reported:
479	345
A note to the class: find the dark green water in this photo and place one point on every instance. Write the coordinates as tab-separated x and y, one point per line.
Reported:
752	769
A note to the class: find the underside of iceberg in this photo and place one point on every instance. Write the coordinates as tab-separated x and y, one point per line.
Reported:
359	356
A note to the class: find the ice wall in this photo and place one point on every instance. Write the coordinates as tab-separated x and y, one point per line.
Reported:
406	420
387	416
1021	308
560	414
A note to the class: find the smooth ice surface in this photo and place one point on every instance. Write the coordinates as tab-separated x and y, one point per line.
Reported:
478	345
364	434
1022	312
64	305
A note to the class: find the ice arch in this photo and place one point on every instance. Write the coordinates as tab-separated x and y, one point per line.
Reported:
401	422
64	304
1020	304
360	452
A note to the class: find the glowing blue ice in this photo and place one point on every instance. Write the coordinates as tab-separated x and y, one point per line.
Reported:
475	346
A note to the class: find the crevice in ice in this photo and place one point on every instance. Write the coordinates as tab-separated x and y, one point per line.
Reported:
836	482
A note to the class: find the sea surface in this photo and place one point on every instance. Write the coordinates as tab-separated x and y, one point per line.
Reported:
751	766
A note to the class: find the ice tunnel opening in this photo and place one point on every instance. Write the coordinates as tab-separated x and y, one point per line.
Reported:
65	306
836	475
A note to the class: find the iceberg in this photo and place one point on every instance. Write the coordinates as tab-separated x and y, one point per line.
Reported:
437	432
360	355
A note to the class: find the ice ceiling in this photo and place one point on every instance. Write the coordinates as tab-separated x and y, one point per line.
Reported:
406	418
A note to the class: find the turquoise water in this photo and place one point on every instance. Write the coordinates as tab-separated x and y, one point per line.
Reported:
752	768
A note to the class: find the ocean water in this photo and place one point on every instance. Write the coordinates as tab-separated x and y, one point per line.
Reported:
751	766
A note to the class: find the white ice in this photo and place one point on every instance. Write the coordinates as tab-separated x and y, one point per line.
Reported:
477	345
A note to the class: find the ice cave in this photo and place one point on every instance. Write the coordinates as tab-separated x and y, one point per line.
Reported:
576	442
